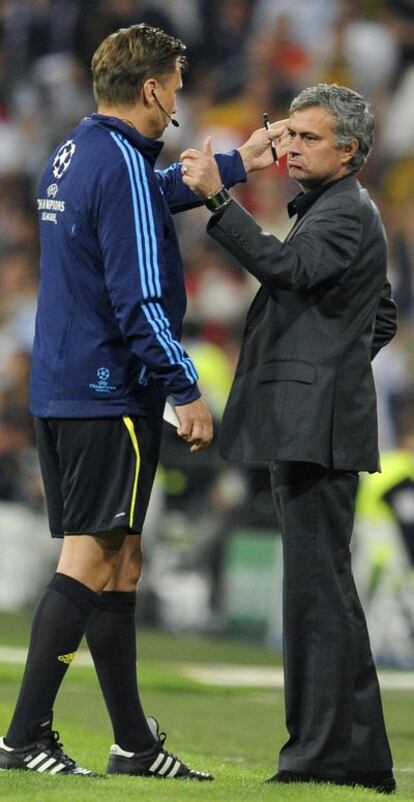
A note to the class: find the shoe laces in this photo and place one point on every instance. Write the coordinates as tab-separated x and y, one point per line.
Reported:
56	747
161	741
162	738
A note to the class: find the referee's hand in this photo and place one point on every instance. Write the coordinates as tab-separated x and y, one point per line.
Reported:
196	424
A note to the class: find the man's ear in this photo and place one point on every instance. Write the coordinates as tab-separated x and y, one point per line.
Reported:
349	150
148	90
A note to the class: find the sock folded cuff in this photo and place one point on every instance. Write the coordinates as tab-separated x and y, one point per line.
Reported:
76	592
118	601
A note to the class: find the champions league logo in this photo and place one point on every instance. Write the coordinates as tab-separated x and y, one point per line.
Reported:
50	207
63	158
103	385
103	374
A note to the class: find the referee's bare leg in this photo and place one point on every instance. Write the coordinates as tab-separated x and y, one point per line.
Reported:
110	561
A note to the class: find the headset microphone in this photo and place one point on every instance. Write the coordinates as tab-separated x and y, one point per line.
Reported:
174	122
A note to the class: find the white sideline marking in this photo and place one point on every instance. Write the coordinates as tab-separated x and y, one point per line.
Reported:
233	675
268	677
227	675
17	656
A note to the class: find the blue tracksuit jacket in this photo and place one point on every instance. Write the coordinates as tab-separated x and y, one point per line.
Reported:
111	295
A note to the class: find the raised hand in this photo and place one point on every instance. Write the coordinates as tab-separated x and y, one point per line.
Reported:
256	152
200	171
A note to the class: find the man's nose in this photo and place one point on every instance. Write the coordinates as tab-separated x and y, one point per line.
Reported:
294	145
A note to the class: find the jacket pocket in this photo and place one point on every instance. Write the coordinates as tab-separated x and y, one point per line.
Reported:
288	370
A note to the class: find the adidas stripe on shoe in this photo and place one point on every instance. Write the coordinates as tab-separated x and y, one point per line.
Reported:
155	762
44	756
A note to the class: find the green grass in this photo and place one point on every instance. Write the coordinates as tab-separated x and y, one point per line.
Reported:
15	628
234	733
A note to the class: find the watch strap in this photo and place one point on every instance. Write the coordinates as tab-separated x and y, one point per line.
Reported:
218	200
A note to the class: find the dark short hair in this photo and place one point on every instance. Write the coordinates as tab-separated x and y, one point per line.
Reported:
125	59
352	115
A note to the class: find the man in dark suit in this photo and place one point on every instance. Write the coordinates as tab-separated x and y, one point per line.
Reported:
303	400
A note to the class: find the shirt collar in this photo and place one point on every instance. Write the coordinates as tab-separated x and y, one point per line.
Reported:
303	201
150	148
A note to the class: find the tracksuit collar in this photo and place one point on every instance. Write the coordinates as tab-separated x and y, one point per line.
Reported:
150	148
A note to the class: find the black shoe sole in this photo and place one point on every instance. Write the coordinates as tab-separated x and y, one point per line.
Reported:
376	781
192	777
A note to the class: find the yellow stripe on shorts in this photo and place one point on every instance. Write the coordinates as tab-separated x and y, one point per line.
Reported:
130	426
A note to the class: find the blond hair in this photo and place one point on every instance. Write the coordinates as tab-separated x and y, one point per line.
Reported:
127	58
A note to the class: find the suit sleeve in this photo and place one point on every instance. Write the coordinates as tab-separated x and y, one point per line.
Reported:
321	252
134	278
180	197
386	320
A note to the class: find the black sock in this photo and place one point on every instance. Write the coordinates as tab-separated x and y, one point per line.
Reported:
111	637
58	625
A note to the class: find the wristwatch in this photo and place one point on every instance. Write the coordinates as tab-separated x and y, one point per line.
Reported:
218	200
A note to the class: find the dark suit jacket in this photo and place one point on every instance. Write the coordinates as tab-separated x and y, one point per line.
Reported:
303	388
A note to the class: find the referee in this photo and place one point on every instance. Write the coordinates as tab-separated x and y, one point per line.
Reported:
106	355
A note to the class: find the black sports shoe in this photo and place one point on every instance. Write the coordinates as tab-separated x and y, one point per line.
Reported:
381	781
44	754
154	762
303	777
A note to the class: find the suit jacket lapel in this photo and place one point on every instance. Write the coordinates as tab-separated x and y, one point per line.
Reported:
296	225
263	293
331	191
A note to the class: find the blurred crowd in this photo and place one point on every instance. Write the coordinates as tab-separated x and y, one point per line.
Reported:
246	57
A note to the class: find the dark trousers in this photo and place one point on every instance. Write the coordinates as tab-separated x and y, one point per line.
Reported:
333	705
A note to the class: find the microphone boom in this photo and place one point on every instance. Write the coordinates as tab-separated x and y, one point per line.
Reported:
174	122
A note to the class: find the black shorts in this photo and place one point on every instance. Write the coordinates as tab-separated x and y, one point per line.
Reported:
98	473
